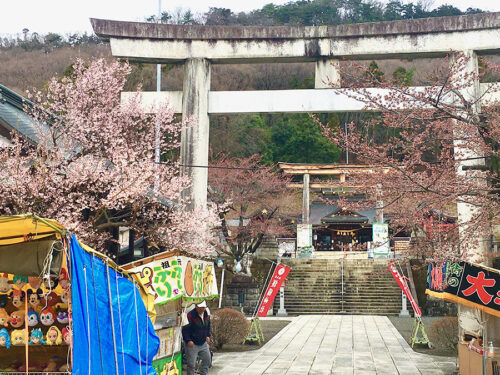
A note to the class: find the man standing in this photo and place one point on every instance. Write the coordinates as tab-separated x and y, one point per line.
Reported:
196	335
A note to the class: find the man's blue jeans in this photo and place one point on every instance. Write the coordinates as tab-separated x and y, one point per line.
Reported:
202	351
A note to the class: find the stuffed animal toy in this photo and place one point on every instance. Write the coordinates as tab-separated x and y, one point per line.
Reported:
20	281
4	300
17	298
5	286
50	283
4	338
4	318
48	317
17	319
18	337
50	299
62	316
67	335
33	317
37	337
64	279
65	297
35	299
35	282
54	336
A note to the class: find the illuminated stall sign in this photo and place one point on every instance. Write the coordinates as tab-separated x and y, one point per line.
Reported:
466	284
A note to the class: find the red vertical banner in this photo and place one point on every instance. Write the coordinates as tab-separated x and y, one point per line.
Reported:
404	287
279	276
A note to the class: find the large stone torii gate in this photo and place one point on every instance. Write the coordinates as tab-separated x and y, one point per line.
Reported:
198	47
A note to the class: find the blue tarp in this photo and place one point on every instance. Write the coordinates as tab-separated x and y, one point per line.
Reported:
94	349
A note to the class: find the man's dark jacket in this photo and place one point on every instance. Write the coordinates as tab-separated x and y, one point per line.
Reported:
197	330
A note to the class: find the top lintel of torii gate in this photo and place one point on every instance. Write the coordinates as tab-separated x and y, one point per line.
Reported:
426	37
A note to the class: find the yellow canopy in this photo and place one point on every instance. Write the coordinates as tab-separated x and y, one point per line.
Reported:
17	229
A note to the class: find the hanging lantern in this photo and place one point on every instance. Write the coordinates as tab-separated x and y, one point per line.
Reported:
220	262
238	267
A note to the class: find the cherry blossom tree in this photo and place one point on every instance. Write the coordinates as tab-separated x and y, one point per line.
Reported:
254	201
93	168
429	149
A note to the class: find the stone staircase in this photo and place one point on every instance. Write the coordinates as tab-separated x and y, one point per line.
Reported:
314	287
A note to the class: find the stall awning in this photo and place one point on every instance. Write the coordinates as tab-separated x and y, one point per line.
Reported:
18	229
467	284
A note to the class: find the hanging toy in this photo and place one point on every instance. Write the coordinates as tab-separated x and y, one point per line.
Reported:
35	282
17	298
54	336
65	296
64	279
37	337
47	317
5	286
35	299
33	317
17	319
50	299
18	337
62	316
4	318
50	283
4	338
67	335
20	281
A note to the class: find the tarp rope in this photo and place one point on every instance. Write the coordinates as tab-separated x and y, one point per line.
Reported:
88	315
137	326
120	321
96	312
112	320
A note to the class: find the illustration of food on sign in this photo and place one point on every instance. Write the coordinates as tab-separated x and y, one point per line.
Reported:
173	369
207	280
188	279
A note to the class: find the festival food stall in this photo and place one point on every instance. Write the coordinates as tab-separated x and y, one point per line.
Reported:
54	289
476	289
176	282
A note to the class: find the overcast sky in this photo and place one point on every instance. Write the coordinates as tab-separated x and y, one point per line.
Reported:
67	16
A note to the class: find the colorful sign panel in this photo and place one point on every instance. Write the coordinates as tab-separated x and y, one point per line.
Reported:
169	366
404	287
170	341
178	276
467	284
380	239
280	273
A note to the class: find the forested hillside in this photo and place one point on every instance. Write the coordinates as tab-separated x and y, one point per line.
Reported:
29	61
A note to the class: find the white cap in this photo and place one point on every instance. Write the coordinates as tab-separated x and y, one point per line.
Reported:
202	304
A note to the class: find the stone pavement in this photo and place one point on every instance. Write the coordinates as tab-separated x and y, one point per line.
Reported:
333	344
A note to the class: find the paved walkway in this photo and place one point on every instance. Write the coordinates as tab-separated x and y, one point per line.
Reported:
333	344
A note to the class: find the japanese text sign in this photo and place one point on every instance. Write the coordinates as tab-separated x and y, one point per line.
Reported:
179	276
467	284
279	275
404	287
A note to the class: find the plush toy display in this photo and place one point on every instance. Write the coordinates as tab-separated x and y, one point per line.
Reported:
50	282
17	319
37	337
4	318
5	286
48	317
64	279
17	298
35	299
33	317
4	338
18	337
35	282
20	281
54	336
67	335
65	296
